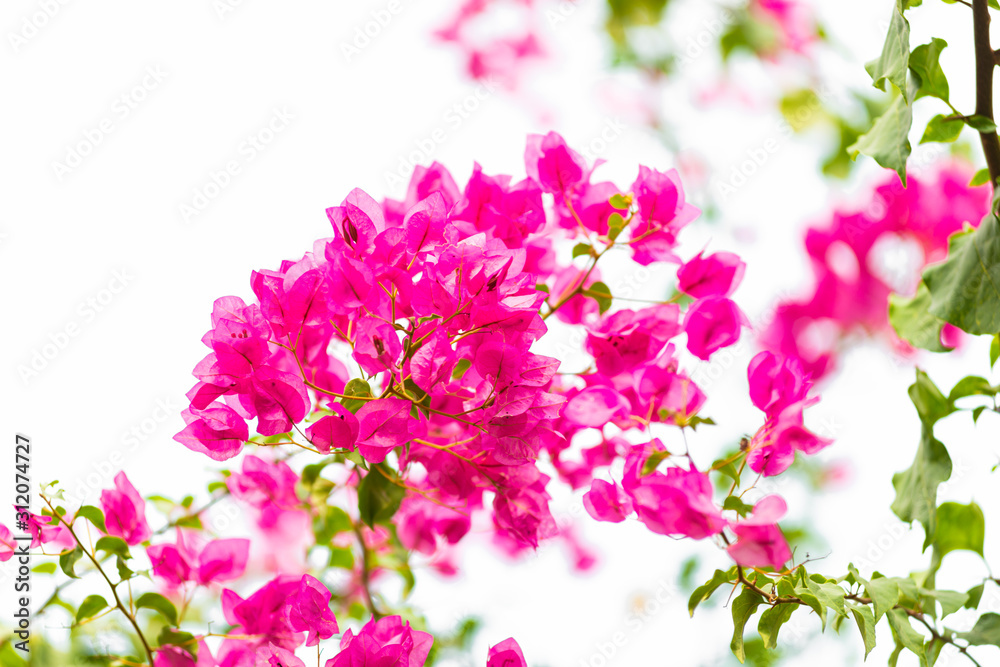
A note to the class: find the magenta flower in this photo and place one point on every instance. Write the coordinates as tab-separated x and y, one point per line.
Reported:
678	502
217	561
339	431
175	656
125	512
606	501
262	615
382	425
719	274
276	656
596	407
662	214
506	654
773	447
308	610
217	431
387	642
774	384
627	339
261	483
552	164
8	545
712	323
760	542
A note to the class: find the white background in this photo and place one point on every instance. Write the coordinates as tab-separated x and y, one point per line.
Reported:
64	238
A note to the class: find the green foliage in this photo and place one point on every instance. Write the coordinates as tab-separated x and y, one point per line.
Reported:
601	293
959	527
705	591
965	288
94	515
91	606
924	63
183	640
160	604
916	487
68	559
913	321
941	128
356	387
866	625
743	608
378	496
986	632
886	142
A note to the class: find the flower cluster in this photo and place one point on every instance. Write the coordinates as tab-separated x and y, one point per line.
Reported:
908	227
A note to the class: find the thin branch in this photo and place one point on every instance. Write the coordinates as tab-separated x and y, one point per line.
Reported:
985	62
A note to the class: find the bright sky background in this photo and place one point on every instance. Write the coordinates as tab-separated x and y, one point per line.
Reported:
116	219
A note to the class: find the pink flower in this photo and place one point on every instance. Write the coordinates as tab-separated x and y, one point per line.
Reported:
275	656
678	502
712	323
217	431
760	542
339	431
595	407
175	656
719	274
261	483
219	560
309	611
552	164
8	545
773	447
387	641
383	424
776	384
606	501
506	654
125	512
662	214
627	339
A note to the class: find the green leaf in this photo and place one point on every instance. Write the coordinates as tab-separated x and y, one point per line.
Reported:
378	497
654	460
600	293
330	523
893	62
965	288
886	142
341	557
45	568
975	594
972	385
985	632
743	608
981	177
160	604
183	640
771	621
931	404
735	503
866	625
883	592
913	321
809	600
581	249
616	223
113	545
67	561
942	129
981	124
123	571
460	367
830	594
216	486
904	633
924	63
705	591
950	601
916	487
619	201
94	515
356	387
91	605
960	527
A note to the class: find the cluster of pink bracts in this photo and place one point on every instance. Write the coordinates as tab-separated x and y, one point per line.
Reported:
438	300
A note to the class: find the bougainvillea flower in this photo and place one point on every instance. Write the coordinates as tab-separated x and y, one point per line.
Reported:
662	214
216	431
175	656
760	543
552	164
276	656
7	544
595	407
261	483
606	501
772	449
382	425
309	611
506	654
776	384
712	323
387	641
337	431
719	274
125	512
217	561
